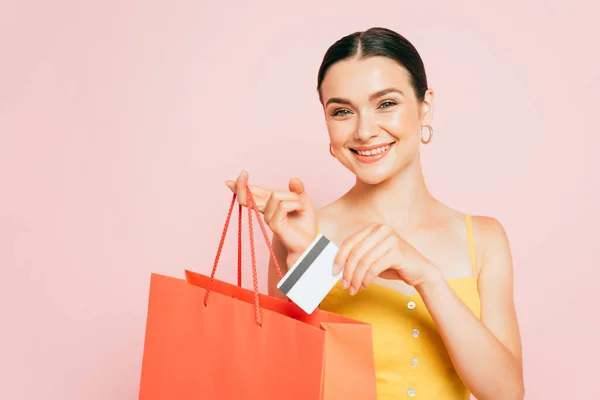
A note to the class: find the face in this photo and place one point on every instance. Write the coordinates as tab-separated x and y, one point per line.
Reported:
373	116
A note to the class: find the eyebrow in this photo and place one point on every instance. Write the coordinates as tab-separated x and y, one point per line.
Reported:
371	97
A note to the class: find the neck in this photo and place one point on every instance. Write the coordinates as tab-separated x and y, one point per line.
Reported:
403	200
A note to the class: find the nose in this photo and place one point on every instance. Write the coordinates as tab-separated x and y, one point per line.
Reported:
367	128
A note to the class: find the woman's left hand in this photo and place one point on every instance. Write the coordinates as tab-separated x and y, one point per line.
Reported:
377	250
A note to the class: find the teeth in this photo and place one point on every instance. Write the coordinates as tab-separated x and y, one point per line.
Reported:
373	152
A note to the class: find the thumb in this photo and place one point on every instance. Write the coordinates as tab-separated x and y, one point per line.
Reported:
296	186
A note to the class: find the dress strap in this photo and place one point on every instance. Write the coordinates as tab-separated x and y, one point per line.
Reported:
469	222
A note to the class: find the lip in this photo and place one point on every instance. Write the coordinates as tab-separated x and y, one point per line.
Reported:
371	147
371	159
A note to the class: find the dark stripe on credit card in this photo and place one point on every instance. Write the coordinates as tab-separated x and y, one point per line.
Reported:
304	264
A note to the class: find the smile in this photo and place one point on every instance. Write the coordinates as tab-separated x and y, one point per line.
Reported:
372	153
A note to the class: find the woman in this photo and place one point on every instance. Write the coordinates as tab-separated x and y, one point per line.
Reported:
435	284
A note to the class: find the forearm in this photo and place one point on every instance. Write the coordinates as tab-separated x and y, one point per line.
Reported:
486	366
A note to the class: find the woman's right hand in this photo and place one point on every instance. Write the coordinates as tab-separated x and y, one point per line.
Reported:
290	215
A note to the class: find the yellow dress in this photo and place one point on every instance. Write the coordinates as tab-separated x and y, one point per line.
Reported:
411	360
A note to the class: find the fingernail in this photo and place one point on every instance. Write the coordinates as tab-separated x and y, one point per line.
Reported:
336	269
352	291
344	284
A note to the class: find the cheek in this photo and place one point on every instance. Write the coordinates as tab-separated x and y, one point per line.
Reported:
400	123
340	132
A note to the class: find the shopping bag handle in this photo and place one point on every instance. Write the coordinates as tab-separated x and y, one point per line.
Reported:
251	206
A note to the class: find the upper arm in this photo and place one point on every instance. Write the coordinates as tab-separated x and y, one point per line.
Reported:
495	284
281	256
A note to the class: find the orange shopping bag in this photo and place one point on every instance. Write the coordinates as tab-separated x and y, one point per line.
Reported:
208	339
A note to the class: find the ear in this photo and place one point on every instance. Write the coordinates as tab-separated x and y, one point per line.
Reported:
427	107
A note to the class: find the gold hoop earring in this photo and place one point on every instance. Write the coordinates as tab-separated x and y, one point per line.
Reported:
331	151
423	140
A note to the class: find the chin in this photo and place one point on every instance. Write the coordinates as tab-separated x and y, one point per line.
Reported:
374	177
376	174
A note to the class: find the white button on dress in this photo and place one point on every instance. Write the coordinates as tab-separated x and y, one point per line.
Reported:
414	361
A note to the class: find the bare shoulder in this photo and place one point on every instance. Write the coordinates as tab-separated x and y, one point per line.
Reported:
489	231
491	242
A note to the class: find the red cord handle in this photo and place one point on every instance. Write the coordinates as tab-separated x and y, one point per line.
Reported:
251	206
240	245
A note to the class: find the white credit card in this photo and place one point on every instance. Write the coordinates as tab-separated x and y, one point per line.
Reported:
311	278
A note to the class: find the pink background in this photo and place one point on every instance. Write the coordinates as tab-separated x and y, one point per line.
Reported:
119	122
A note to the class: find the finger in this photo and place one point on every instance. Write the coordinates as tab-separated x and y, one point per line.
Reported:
377	268
368	243
277	221
240	188
339	263
296	186
259	193
274	199
363	274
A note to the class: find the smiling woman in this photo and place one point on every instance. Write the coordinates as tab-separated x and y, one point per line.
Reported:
435	284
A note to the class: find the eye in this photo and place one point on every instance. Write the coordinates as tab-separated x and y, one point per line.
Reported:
387	104
340	113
